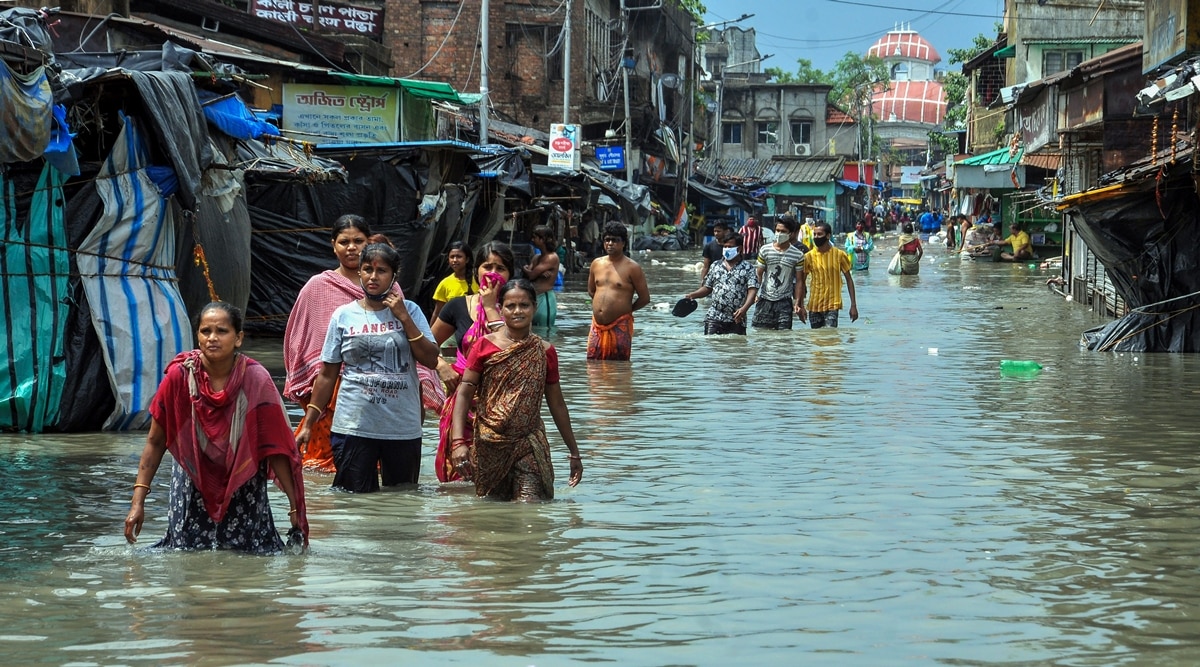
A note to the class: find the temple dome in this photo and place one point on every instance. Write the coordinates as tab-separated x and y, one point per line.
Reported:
904	44
910	102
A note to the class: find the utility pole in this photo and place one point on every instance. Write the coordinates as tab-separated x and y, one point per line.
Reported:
566	116
483	73
625	87
691	150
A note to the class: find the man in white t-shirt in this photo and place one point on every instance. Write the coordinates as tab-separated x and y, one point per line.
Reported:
779	264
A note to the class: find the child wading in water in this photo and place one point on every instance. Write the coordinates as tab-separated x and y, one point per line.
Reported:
460	283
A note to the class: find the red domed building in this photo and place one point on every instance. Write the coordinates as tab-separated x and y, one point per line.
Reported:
914	102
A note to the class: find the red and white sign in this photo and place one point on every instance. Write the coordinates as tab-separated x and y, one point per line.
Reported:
564	146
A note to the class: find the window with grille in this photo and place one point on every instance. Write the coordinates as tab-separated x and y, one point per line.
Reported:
600	60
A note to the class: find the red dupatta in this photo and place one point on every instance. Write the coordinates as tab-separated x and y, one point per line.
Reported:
221	438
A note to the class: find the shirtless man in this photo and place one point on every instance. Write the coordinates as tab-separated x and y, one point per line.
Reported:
612	282
542	271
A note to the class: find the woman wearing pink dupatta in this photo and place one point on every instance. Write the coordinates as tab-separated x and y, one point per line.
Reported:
308	323
469	317
219	414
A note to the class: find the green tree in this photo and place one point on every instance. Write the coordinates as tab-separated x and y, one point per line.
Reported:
854	76
694	7
805	73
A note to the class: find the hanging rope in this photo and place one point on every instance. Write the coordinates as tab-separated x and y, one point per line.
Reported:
199	259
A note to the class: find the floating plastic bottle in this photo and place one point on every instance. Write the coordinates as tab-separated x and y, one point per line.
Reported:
1019	368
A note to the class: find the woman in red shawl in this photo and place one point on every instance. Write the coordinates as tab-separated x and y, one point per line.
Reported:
508	457
308	323
219	414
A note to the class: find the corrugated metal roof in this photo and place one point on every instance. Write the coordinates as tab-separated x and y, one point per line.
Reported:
810	170
779	170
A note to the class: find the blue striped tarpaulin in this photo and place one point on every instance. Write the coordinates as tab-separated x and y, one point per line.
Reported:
127	265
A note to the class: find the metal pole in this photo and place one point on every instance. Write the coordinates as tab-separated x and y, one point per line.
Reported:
483	73
566	116
718	139
625	85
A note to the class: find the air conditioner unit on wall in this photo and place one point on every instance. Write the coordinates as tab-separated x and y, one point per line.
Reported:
802	149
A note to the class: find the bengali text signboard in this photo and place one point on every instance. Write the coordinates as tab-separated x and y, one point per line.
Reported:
327	17
564	146
612	158
353	114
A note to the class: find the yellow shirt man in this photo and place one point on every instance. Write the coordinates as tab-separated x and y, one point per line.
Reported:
826	265
1021	245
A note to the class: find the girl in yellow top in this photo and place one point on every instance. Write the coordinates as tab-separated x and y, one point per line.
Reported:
455	284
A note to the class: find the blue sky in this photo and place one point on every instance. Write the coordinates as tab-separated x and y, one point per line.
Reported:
824	30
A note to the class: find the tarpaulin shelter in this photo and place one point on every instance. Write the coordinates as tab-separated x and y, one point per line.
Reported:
1145	231
105	234
421	195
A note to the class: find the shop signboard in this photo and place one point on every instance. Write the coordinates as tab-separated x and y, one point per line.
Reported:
352	114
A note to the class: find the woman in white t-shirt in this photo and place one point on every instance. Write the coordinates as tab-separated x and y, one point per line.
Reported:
374	343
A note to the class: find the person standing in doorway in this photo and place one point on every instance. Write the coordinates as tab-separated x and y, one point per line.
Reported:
613	282
827	266
778	270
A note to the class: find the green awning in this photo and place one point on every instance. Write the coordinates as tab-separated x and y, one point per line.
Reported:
1009	51
1000	156
429	90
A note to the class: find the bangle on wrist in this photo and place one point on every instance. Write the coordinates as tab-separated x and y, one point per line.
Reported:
416	338
494	324
575	457
139	485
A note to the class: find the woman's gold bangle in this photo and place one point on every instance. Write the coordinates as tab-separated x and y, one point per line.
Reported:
416	338
310	405
139	485
291	512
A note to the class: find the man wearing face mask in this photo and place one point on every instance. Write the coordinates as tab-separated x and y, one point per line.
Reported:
733	286
778	269
827	266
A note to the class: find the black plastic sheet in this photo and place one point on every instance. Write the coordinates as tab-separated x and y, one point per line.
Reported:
1147	241
88	398
291	243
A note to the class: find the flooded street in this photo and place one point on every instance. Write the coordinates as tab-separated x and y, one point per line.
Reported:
871	495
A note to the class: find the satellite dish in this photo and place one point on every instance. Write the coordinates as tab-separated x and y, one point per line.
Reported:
670	81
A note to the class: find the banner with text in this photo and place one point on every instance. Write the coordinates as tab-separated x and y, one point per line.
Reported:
353	114
564	146
333	17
